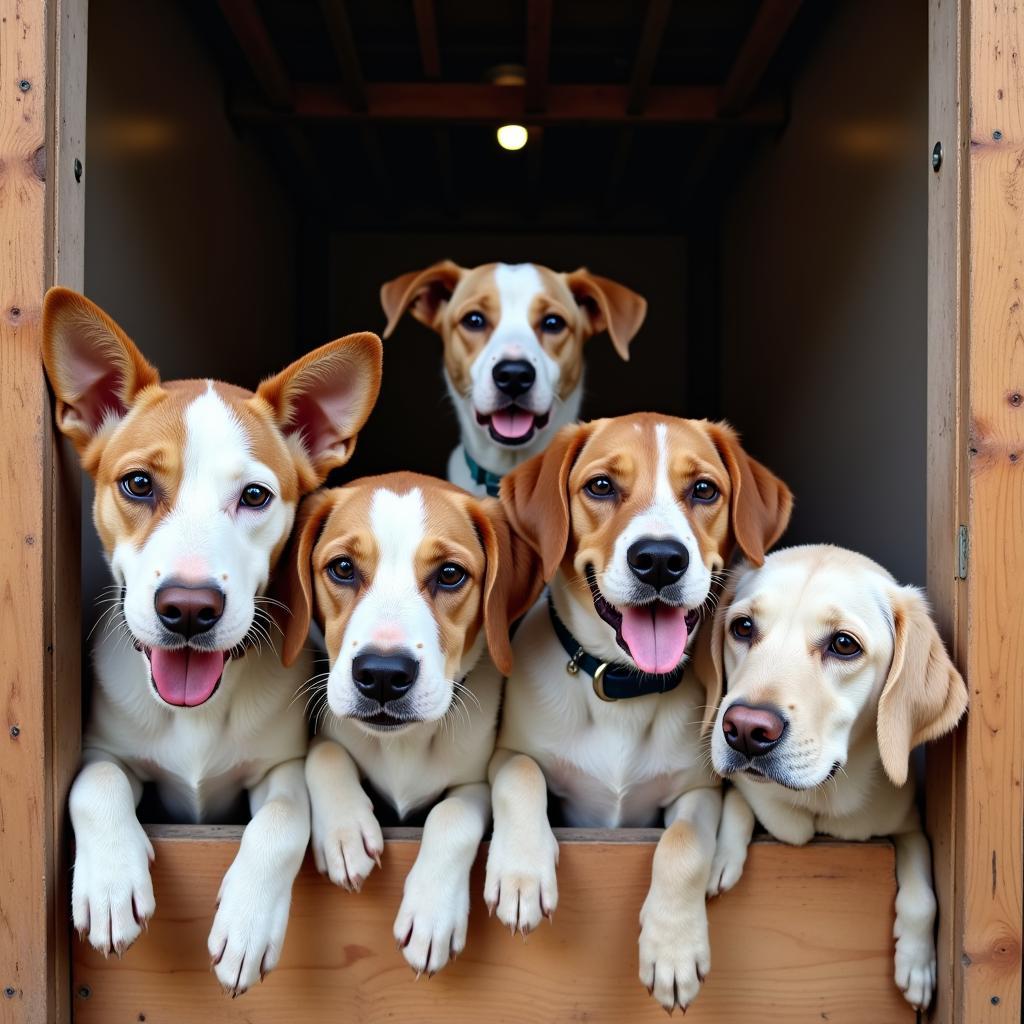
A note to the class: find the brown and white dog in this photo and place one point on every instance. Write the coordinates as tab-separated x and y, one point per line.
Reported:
513	339
834	674
413	581
632	519
197	483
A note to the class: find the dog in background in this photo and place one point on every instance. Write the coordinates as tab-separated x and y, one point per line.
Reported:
197	484
834	673
513	338
414	583
632	519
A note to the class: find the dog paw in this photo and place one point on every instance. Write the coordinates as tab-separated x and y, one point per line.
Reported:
112	892
347	844
675	955
521	884
430	928
249	928
726	868
915	968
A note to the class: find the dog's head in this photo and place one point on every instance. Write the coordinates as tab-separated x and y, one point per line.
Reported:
407	575
197	482
819	647
513	340
640	512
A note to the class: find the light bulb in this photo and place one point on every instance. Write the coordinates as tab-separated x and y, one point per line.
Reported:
512	136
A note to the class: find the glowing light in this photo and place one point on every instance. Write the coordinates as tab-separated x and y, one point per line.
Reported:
512	136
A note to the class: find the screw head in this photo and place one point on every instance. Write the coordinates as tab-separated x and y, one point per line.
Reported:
997	135
84	991
15	731
24	85
78	169
9	992
936	157
995	1000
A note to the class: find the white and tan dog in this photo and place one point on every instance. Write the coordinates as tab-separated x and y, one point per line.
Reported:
513	352
412	580
197	483
833	673
632	518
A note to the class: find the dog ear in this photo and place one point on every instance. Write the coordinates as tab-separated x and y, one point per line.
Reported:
424	291
93	367
709	651
761	503
293	583
322	401
924	695
609	306
512	580
535	496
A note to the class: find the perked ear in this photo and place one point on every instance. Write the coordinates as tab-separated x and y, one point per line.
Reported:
425	292
294	584
609	306
924	695
512	579
535	496
761	503
709	651
323	400
94	369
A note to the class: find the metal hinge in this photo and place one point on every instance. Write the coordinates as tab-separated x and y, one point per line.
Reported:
963	552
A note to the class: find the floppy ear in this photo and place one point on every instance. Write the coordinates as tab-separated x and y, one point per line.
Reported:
426	292
94	369
761	503
709	652
322	400
609	306
924	695
294	584
536	499
512	580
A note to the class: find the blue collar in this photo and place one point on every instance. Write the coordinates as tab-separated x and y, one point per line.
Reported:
611	681
490	481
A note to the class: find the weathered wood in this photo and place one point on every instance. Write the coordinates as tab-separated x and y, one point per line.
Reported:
779	954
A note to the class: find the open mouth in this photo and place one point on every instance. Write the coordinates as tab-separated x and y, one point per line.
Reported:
654	635
513	424
185	677
383	722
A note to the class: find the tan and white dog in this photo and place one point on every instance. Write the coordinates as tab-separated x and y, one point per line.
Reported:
833	673
513	339
197	483
413	582
632	518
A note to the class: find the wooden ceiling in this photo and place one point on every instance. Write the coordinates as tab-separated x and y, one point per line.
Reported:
383	113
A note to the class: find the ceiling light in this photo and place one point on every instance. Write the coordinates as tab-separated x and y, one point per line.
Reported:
512	136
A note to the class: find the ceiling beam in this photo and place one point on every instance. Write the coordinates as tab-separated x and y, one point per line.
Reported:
469	103
250	32
426	33
538	52
340	32
646	58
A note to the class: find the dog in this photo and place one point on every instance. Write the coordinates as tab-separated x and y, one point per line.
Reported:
197	484
633	519
413	582
834	673
513	352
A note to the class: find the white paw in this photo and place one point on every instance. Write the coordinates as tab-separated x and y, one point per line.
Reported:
675	955
249	927
726	867
915	966
347	843
430	928
112	892
521	885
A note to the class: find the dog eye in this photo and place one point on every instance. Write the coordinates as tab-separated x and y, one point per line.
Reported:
704	491
474	321
600	487
137	485
844	646
342	570
255	496
451	576
742	628
553	324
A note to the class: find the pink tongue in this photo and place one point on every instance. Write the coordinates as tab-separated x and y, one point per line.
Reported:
656	639
512	422
186	678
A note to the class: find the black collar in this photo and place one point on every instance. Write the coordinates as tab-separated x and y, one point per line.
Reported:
611	681
490	481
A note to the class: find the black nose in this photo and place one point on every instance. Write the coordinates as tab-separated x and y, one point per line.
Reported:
752	731
188	610
514	377
384	677
657	562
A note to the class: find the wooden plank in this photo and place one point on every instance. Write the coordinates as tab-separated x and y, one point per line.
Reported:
340	31
250	31
778	954
426	34
992	867
538	53
646	57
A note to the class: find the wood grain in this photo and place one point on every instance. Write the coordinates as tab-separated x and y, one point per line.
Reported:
806	936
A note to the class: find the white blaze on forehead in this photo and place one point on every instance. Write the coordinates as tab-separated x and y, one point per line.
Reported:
217	449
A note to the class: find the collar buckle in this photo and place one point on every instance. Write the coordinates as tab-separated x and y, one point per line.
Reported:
598	680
